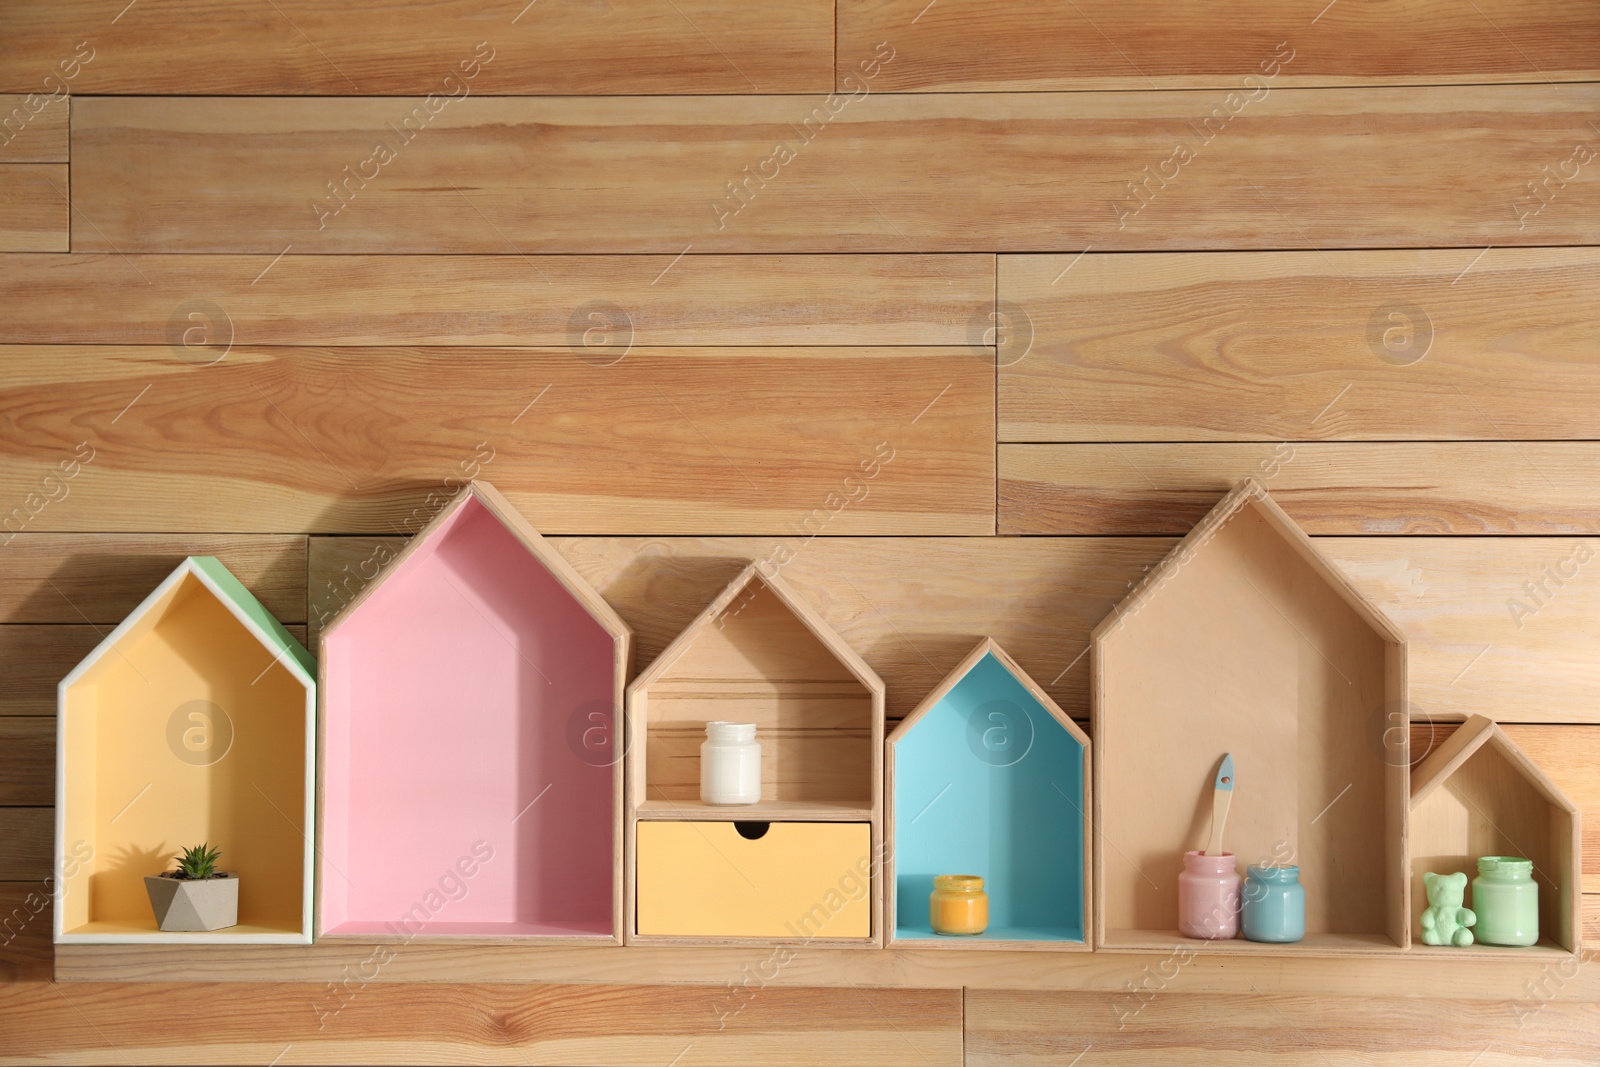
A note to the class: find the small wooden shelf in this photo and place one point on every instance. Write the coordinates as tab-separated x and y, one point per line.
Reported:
758	653
193	721
1479	794
765	811
469	782
988	776
1246	639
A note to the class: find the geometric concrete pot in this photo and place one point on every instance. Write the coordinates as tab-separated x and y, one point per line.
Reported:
192	905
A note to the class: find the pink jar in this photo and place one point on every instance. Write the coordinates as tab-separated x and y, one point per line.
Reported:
1208	896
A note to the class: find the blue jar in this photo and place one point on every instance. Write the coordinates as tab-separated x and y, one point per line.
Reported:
1274	905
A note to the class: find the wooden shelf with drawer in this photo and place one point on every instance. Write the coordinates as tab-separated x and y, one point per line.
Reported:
803	863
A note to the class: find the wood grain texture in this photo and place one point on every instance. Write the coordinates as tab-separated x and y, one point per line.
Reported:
1106	44
100	578
360	1022
301	46
38	657
1162	1027
1297	169
25	923
34	211
1431	344
28	834
1479	641
1330	487
27	760
1108	974
499	300
702	440
1460	603
33	128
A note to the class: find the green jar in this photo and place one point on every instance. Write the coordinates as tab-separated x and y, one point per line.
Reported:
1506	900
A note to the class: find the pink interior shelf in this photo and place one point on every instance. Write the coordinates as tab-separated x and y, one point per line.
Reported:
461	795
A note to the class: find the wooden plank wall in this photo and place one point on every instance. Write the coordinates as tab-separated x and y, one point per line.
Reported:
274	276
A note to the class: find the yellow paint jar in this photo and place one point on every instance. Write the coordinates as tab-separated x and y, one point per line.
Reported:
958	905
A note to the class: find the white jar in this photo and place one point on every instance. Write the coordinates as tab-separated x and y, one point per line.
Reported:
730	764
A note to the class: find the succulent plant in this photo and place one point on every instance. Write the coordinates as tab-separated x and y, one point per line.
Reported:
198	862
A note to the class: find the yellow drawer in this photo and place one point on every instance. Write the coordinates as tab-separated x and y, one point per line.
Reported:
799	880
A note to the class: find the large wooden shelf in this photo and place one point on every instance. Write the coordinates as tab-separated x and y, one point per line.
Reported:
1247	640
461	795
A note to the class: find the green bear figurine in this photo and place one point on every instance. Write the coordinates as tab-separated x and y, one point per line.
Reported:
1445	921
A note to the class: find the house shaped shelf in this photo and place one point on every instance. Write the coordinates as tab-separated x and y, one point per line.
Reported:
469	786
1245	639
760	654
988	776
193	721
1477	795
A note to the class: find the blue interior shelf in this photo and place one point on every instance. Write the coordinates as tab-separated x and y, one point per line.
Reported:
988	776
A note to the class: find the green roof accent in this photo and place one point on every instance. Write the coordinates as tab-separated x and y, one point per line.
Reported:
244	602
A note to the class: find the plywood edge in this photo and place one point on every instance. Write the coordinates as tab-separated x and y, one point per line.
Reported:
951	679
639	687
900	945
871	942
570	940
238	599
157	937
1530	770
1361	970
121	630
988	646
1445	760
1045	700
1248	493
1397	794
58	923
564	572
390	569
795	605
1097	788
319	832
825	633
1197	537
1314	556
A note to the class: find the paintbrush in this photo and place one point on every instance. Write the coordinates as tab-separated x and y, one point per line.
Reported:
1221	797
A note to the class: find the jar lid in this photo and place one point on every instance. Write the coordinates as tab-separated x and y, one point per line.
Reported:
966	883
731	731
1508	864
